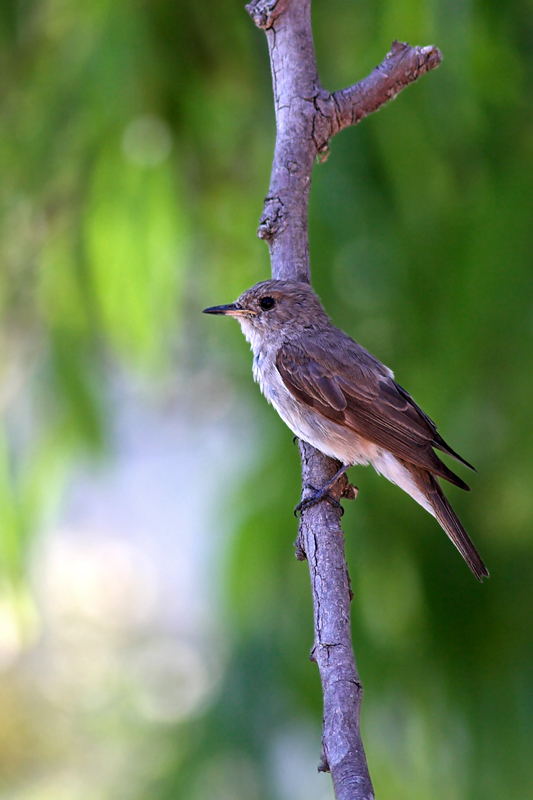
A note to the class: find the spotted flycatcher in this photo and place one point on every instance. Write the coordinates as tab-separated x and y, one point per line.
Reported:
335	395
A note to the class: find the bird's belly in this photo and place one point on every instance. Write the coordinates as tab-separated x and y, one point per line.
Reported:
332	439
329	437
350	448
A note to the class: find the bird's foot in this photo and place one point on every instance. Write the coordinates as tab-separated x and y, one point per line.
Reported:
317	497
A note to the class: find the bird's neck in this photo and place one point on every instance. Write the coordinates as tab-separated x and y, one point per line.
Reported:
262	342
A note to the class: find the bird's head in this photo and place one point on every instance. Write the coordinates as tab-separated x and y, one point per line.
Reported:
273	309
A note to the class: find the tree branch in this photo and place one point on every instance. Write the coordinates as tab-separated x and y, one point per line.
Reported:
402	66
307	117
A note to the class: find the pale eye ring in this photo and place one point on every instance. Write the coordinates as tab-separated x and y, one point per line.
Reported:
267	303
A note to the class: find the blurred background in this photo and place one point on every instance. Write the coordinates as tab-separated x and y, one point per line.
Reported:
154	623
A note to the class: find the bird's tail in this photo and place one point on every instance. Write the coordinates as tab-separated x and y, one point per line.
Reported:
448	520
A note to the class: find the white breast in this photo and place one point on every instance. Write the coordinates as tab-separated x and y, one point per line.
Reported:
327	436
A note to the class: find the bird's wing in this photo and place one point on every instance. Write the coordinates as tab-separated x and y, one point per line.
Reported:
348	386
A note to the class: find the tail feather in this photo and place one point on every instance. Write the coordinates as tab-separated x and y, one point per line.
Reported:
449	521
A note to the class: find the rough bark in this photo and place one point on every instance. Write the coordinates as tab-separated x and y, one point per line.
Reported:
307	117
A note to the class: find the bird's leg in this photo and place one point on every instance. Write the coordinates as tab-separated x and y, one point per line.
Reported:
322	494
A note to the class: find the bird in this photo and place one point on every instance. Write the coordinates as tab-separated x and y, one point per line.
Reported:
338	397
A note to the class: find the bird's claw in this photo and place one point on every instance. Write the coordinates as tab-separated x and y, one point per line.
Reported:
317	497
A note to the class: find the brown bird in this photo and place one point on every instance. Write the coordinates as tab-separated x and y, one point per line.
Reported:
334	394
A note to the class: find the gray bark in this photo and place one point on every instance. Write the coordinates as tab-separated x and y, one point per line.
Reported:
307	117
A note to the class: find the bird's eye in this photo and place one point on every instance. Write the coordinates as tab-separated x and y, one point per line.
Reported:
267	303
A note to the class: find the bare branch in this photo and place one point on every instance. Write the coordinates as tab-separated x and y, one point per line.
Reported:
321	539
295	82
402	66
307	117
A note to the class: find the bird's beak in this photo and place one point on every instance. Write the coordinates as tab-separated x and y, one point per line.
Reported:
231	310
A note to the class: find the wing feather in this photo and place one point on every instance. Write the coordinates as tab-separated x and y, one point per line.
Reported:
349	386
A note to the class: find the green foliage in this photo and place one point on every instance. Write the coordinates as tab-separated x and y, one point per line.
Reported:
135	148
